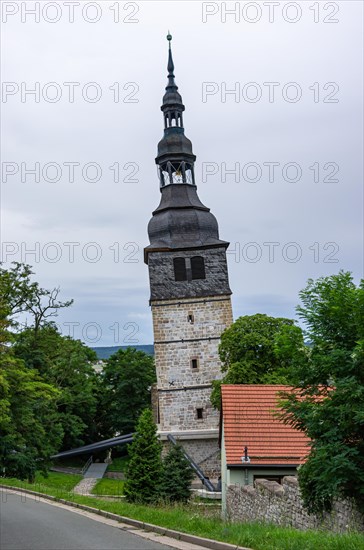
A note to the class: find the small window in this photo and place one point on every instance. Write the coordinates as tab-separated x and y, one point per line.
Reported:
198	267
180	272
190	318
194	363
199	414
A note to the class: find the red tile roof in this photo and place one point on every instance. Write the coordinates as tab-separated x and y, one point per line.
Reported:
247	413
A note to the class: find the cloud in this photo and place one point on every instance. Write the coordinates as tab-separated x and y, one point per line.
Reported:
225	129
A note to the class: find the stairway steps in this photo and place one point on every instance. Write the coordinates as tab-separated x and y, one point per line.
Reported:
96	470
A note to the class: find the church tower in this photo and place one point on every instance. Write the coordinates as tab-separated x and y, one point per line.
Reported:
190	294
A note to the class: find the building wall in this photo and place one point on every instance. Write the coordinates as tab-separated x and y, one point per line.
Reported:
181	388
242	477
178	410
245	476
225	474
271	502
204	452
188	319
161	275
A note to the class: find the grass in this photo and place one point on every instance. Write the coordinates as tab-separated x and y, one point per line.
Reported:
53	484
112	487
73	462
118	464
200	520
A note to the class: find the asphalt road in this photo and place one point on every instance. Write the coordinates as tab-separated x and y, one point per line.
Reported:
27	524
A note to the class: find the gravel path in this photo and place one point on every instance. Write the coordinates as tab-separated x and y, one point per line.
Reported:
85	486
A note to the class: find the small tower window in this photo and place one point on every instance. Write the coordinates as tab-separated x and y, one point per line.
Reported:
190	318
199	413
194	363
198	267
180	271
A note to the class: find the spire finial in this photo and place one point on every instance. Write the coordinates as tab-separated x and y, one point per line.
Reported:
170	66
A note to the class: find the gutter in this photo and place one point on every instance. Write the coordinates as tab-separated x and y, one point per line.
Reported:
260	466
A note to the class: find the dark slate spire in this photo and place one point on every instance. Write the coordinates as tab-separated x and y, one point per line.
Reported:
175	156
170	67
172	100
181	221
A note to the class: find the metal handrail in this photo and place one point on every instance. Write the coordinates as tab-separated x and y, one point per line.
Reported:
86	466
206	482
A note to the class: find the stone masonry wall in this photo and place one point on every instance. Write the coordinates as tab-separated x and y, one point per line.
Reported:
188	319
183	389
282	505
178	410
205	452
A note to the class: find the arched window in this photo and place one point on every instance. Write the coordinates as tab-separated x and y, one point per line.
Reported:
198	267
180	271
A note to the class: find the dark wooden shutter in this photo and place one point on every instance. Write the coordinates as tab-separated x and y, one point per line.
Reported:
198	267
180	273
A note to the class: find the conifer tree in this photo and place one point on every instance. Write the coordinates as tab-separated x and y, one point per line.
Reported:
177	476
145	465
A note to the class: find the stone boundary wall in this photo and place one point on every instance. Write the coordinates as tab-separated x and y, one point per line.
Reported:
282	505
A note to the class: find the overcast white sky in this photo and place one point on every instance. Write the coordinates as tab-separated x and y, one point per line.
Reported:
312	130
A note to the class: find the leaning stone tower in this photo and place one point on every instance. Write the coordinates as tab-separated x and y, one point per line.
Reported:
190	294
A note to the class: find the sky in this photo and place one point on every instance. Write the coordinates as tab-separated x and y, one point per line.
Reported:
273	95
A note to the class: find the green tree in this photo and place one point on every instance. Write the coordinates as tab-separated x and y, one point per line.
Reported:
66	364
29	427
328	400
248	353
145	466
126	383
177	476
48	387
22	295
30	431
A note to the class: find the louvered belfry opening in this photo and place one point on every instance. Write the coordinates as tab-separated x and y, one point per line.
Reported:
186	269
198	267
180	271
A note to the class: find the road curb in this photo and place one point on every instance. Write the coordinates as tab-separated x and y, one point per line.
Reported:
178	535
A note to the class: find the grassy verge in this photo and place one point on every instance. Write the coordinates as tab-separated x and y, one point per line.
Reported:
105	486
54	484
118	464
201	521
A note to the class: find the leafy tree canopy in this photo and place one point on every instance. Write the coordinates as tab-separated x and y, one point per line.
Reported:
126	383
328	401
22	295
48	387
67	365
29	427
249	356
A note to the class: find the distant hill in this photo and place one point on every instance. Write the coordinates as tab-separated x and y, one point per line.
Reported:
105	352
